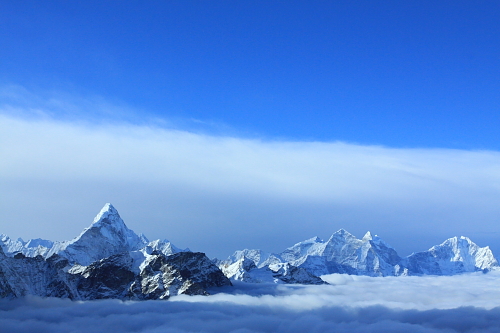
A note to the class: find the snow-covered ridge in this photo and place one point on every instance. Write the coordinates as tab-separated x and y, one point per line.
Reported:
454	256
371	255
106	236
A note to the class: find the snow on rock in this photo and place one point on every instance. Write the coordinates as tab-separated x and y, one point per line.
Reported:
372	256
106	236
165	247
31	248
21	276
454	256
342	253
258	257
244	269
114	277
159	277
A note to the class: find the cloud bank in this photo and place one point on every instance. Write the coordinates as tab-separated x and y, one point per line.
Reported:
352	304
217	194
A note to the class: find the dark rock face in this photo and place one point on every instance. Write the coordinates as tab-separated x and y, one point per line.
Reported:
156	277
21	276
297	275
189	273
198	268
106	278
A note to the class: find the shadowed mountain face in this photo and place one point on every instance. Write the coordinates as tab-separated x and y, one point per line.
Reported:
115	277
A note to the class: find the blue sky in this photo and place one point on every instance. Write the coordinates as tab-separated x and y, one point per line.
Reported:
228	124
401	74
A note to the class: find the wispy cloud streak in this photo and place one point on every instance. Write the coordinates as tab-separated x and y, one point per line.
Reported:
199	190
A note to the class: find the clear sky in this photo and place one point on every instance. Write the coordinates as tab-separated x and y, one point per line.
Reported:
225	116
405	74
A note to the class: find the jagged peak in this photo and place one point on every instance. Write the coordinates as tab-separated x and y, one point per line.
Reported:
315	239
110	227
377	241
39	242
342	233
312	240
368	236
456	241
107	212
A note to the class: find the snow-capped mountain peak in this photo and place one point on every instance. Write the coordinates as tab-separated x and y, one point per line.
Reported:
109	224
106	236
342	233
107	215
313	240
367	237
454	256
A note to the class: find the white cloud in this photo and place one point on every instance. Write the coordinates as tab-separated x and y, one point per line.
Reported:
415	292
217	194
467	303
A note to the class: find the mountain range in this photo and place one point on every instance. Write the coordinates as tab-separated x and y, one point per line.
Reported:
344	253
108	260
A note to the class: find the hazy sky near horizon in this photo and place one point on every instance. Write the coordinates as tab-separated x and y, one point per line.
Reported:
227	124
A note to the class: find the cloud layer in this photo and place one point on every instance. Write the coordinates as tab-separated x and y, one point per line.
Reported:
352	304
217	193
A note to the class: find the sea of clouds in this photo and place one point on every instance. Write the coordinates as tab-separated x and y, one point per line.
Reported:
464	303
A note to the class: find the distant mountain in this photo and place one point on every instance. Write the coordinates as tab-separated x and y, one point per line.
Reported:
244	269
454	256
371	256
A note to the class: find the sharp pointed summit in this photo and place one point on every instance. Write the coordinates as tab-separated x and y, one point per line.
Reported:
106	236
111	226
108	214
341	234
368	236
